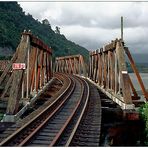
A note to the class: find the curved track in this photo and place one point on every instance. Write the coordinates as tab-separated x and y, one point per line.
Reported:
68	132
23	134
87	132
73	119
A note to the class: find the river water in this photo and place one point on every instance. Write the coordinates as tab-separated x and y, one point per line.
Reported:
144	77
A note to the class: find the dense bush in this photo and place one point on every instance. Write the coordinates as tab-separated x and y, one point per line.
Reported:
144	115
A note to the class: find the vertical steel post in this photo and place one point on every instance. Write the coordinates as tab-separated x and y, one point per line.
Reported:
28	55
23	89
122	28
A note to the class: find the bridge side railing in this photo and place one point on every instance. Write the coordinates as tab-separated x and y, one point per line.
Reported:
28	71
109	71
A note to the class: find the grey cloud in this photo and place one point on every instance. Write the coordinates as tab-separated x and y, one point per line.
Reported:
94	24
99	14
103	14
92	38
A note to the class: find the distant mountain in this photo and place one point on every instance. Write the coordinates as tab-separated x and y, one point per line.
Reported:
13	22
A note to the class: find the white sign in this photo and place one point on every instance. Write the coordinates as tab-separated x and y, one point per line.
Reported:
17	66
124	72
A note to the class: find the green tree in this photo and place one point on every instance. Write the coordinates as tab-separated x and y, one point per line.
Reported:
13	22
57	30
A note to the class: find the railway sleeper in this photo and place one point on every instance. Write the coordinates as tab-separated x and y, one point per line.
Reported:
43	138
89	131
45	142
46	134
87	139
50	130
94	136
82	143
36	145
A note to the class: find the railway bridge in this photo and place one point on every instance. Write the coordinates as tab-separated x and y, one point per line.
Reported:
60	104
108	71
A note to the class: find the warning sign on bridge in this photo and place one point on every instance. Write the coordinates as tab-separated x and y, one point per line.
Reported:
17	66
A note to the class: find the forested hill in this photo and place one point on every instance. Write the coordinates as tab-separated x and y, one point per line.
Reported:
13	22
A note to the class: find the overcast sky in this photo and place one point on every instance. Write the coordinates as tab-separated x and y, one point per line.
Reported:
94	24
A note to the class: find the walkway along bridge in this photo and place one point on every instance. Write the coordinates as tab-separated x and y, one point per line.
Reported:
72	115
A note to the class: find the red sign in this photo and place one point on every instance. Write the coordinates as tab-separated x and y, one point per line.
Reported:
17	66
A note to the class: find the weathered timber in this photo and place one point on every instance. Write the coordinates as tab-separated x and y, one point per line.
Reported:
71	64
136	72
107	68
123	73
17	77
36	42
23	84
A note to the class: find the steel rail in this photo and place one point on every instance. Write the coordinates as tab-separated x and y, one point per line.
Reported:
58	136
11	138
87	133
80	117
64	119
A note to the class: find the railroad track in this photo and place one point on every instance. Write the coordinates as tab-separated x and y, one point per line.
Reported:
73	119
63	84
88	129
22	133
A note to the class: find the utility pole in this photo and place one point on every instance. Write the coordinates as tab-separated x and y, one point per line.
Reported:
122	28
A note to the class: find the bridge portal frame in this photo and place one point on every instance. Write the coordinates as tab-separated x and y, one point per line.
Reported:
73	64
23	84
